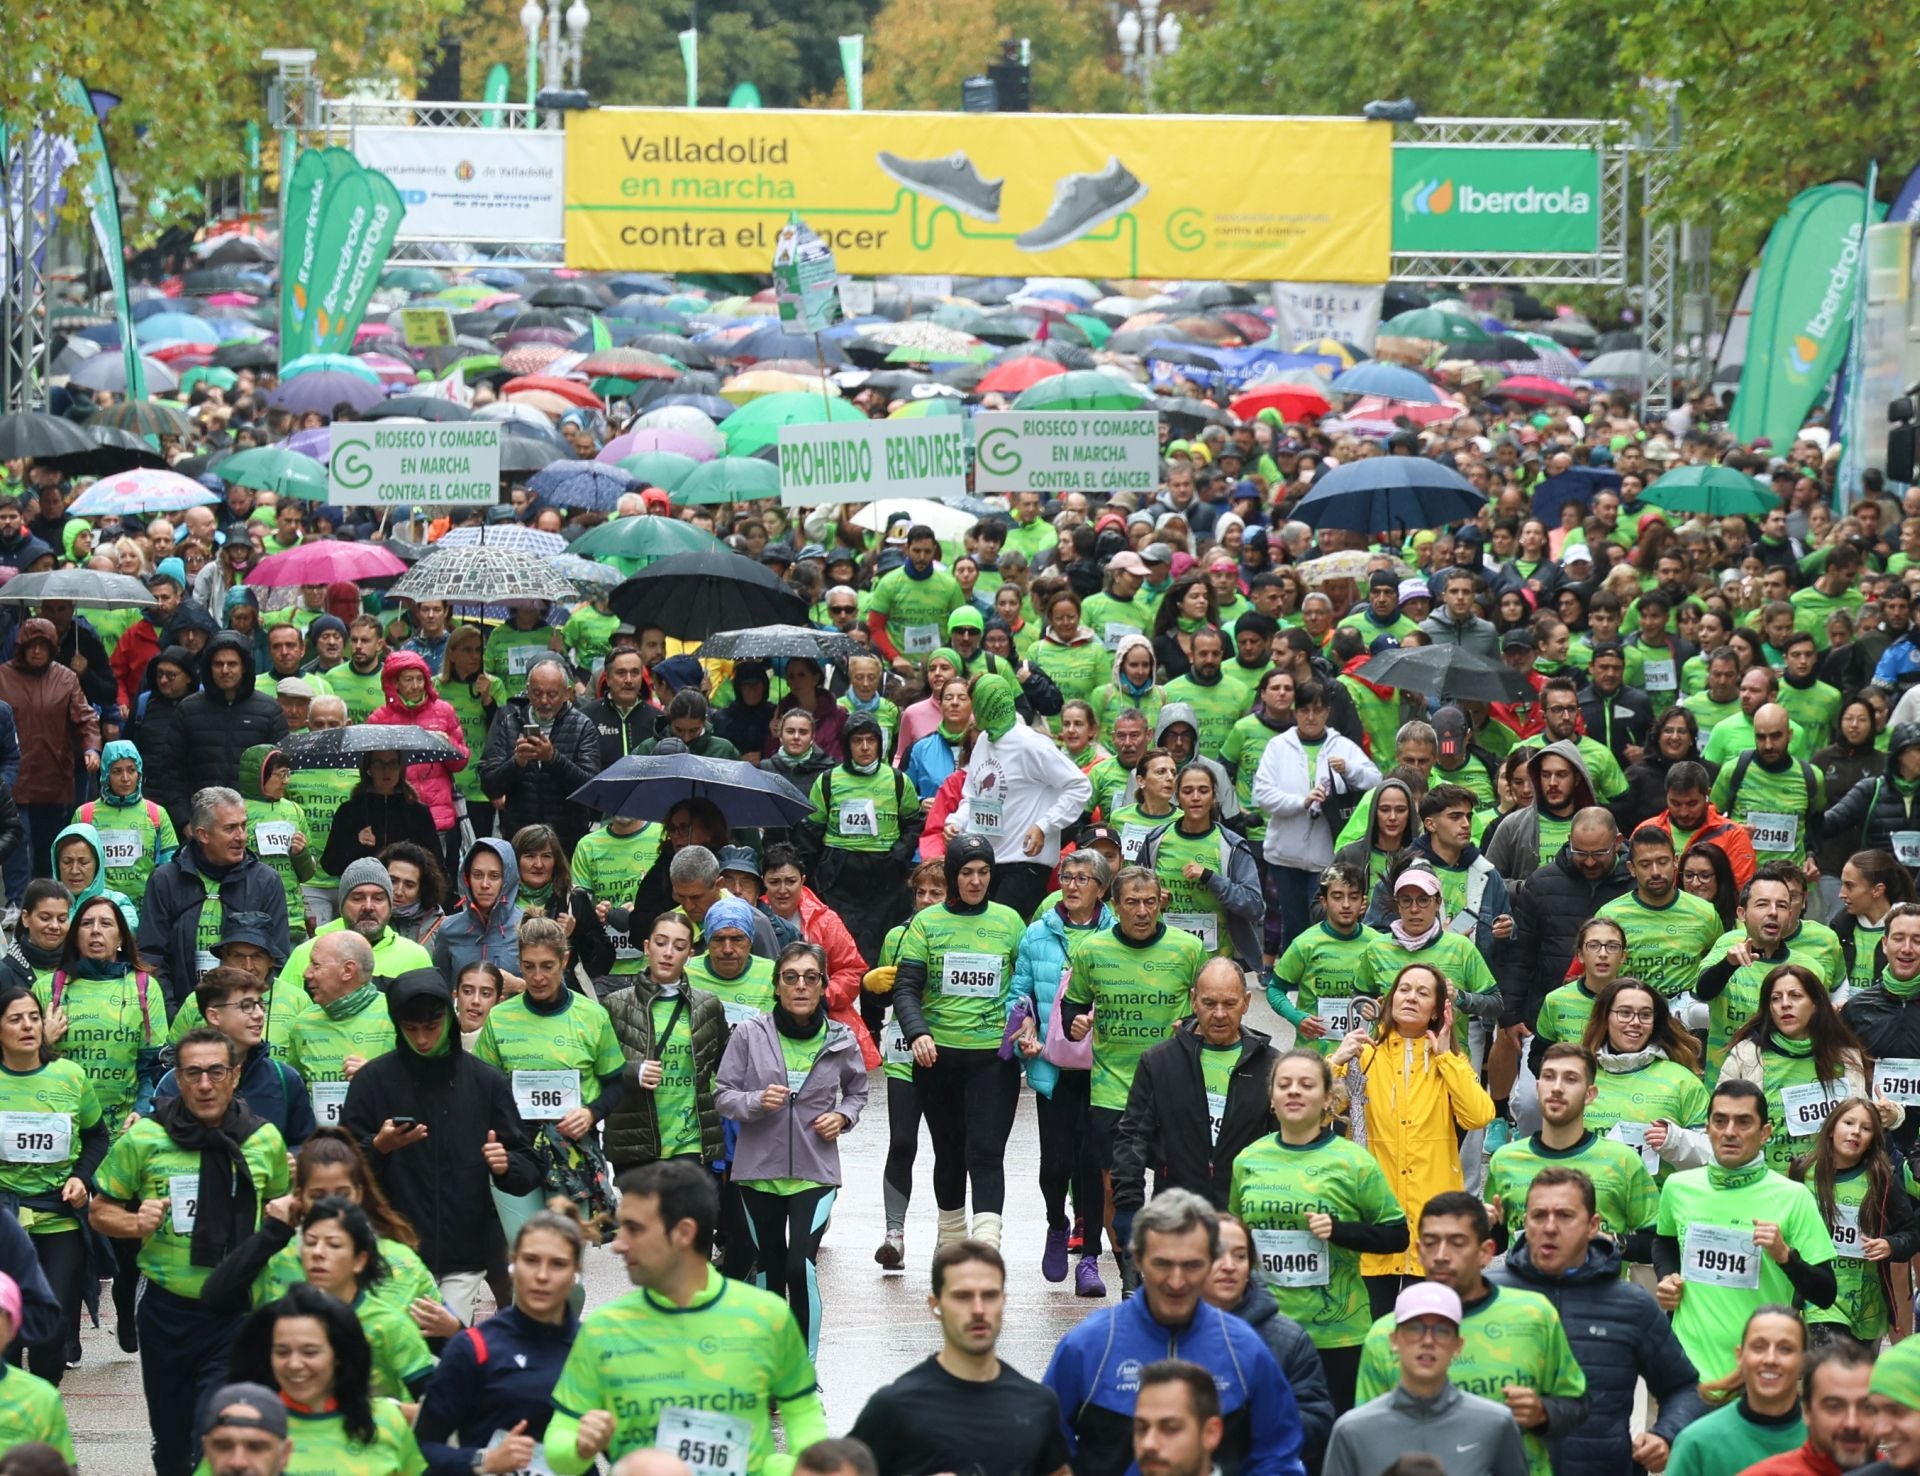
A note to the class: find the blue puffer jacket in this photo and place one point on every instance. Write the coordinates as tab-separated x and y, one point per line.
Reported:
1037	968
1619	1335
1095	1374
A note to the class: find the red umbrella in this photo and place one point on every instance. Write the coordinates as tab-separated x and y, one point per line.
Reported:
570	390
1250	326
1016	374
1531	389
1293	401
325	561
626	363
1374	405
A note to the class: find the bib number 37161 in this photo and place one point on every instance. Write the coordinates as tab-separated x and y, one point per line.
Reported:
711	1443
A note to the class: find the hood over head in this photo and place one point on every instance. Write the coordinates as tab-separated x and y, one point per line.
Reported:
960	851
862	722
1175	712
421	994
230	640
1566	748
1127	643
251	781
993	705
509	863
401	661
178	657
36	629
92	837
191	615
1413	810
119	749
1903	737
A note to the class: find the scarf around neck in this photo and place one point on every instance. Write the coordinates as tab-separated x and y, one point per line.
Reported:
349	1005
228	1203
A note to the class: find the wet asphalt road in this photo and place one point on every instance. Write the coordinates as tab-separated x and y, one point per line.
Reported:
876	1323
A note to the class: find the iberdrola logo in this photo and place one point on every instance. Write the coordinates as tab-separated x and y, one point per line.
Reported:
1428	197
1835	300
1803	353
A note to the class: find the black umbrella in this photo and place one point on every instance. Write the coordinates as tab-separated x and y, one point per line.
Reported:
778	642
567	294
114	450
648	786
1447	674
1185	411
345	748
1502	348
694	595
246	356
521	452
28	433
418	407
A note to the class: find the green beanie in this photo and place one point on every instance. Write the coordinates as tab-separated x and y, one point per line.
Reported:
993	706
1896	1374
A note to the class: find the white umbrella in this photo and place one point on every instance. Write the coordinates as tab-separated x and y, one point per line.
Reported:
947	522
678	417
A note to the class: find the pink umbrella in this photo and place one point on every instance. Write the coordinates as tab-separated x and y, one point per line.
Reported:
374	330
682	443
390	369
233	300
323	561
1374	406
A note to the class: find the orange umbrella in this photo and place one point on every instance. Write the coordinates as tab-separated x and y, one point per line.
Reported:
570	390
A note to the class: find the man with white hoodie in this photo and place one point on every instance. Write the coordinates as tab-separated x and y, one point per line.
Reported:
1304	772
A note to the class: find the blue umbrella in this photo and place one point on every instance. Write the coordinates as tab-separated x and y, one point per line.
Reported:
181	326
1383	494
1576	484
590	486
647	786
1387	380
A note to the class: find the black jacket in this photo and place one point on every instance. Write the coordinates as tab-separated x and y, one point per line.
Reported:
1867	815
391	817
1299	1360
1619	1335
1889	1027
537	794
250	892
203	744
98	682
440	1183
1166	1127
1625	718
1646	794
619	736
1549	909
12	833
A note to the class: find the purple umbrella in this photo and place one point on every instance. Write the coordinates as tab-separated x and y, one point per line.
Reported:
317	443
683	443
322	389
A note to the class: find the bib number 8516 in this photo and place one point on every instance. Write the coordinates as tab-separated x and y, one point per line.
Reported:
703	1454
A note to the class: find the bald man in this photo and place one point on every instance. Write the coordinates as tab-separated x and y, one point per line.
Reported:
1769	787
1550	907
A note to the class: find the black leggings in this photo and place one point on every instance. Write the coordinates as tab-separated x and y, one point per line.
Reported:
64	1260
787	1229
969	1099
1067	1160
1342	1367
1384	1291
903	1146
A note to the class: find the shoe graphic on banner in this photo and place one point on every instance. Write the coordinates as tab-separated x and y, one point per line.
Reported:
952	181
1081	202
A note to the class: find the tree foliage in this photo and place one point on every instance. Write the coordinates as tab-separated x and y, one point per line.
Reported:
921	50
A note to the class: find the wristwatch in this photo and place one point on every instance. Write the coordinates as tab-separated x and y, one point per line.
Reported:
479	1461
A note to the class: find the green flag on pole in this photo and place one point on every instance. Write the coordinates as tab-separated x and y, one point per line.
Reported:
690	56
499	87
103	207
852	52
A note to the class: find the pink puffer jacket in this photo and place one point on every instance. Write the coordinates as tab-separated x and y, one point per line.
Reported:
432	782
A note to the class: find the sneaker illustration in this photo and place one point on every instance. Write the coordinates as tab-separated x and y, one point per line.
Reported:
1082	202
952	181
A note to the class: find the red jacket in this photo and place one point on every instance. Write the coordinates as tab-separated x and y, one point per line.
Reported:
1716	829
820	924
432	782
1806	1461
137	646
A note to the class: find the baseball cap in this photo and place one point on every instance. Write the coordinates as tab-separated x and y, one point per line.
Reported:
1450	726
1519	640
1382	643
776	553
10	1301
1414	589
1157	553
1420	879
294	687
269	1413
1427	1299
1575	553
1383	579
1128	562
1093	835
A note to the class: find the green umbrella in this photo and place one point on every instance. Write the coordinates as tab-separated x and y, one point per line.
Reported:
1083	389
465	293
1718	491
666	469
145	418
471	365
938	407
207	374
1434	326
277	470
729	479
1098	330
757	423
919	353
640	540
413	279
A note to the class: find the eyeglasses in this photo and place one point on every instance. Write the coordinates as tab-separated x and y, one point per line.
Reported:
1601	945
1429	1332
841	609
812	976
1631	1017
205	1073
245	1006
1599	855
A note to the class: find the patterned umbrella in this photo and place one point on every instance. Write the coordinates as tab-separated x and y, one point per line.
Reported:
778	642
629	363
88	588
590	486
591	580
142	490
345	748
509	536
530	358
491	573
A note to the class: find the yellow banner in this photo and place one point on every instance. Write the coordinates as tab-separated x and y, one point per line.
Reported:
1000	194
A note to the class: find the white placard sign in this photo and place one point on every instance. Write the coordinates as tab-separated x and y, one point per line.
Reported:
865	461
1348	311
389	464
472	184
1066	451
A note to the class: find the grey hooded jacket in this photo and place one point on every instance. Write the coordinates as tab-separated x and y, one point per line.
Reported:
1467	1435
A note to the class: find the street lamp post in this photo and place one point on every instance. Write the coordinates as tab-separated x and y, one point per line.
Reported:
557	58
1146	37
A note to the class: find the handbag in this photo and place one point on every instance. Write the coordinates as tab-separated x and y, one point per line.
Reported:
1060	1048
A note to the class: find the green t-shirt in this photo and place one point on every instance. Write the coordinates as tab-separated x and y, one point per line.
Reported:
407	1279
1245	745
1193	906
1076	670
1778	808
146	1164
1322	964
917	609
1564	1013
321	1446
47	1110
1813	707
108	1025
1736	1004
318	1047
320	793
1622	1186
1554	832
31	1413
1276	1185
725	1361
1727	1440
1660	1089
1508	1337
1112	620
1733	735
1711	1212
862	812
588	633
1654	671
511	653
1135	825
1217	707
675	1102
141	830
611	867
578	1038
1108	702
1455	955
1861	1305
1138	991
1665	944
400	1356
361	691
743	998
283	819
1797	1101
968	957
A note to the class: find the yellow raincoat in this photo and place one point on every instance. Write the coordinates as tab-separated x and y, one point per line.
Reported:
1414	1102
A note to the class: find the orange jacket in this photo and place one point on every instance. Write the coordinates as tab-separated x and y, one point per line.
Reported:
1730	836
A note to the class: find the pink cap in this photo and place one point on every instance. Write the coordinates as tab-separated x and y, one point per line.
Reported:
1420	879
10	1302
1129	562
1427	1299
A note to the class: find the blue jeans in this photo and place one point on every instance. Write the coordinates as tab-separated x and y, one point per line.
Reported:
34	857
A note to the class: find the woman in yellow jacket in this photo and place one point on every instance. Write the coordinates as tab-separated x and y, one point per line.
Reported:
1411	1096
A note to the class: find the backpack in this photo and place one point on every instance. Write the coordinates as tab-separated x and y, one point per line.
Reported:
140	979
1745	762
899	793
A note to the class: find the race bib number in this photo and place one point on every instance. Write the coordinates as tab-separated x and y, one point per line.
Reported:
987	819
1718	1255
1634	1135
710	1442
521	659
971	975
1115	632
536	1467
1898	1080
273	838
122	847
858	817
623	948
1216	1114
1846	1232
1906	847
1806	1107
546	1096
894	1049
1659	677
1336	1013
797	1079
1291	1257
204	961
920	640
36	1137
738	1014
1203	925
1132	838
329	1101
184	1192
1773	831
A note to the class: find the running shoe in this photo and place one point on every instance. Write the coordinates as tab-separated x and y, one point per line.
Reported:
1053	1260
1086	1278
1082	202
892	1254
1129	1275
1499	1134
1076	1237
952	181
